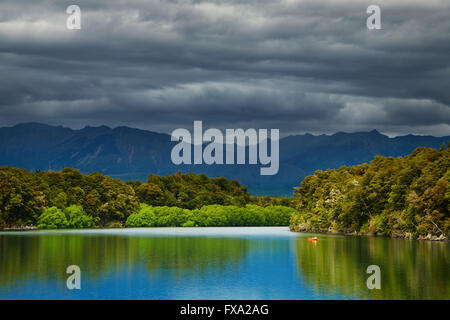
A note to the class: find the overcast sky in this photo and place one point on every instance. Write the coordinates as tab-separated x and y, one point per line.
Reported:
300	66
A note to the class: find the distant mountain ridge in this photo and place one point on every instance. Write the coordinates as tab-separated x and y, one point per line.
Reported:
129	153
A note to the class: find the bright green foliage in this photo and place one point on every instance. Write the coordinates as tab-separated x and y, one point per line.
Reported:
171	216
398	197
188	223
77	218
254	215
250	215
278	215
144	218
210	216
215	215
52	218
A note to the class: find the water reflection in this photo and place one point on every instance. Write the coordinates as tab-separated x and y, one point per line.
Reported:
221	263
46	255
409	269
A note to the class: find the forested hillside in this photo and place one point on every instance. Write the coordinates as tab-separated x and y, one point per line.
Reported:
69	199
398	197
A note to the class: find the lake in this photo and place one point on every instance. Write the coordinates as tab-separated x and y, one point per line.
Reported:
218	263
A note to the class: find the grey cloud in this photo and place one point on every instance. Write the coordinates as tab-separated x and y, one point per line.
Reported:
295	65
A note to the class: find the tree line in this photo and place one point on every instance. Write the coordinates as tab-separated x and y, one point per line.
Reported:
70	199
210	216
398	197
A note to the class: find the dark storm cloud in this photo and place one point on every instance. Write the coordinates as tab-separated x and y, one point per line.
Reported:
301	66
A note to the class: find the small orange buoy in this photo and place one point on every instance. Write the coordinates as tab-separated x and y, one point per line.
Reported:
313	239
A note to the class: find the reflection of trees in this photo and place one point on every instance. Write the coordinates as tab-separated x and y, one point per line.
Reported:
47	256
409	269
336	264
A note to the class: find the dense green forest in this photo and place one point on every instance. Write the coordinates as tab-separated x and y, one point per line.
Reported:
398	197
69	199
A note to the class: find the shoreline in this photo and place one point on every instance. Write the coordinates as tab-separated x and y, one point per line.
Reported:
33	228
429	237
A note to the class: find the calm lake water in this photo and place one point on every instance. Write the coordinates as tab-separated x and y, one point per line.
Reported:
218	263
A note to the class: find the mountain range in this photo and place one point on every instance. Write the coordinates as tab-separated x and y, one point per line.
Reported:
129	153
